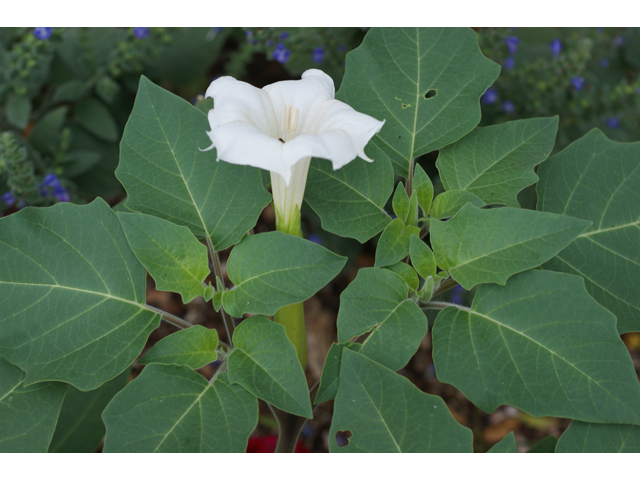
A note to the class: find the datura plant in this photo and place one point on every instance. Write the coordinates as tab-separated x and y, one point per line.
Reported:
553	288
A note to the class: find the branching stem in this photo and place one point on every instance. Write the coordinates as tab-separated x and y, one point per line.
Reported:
169	318
214	265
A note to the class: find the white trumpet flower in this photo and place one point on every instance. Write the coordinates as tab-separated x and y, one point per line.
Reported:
280	127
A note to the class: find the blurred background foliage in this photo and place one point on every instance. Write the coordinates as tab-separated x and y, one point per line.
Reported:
66	93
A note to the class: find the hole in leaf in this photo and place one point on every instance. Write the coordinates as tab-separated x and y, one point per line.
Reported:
430	94
342	438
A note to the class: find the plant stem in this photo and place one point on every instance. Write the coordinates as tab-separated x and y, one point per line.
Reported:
410	178
289	426
169	318
214	265
444	286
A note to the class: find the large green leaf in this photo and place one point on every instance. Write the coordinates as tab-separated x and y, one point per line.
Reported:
28	415
488	246
385	412
377	301
495	163
330	378
583	437
542	344
273	269
266	364
597	179
73	295
167	175
172	255
194	347
425	83
174	409
350	201
80	428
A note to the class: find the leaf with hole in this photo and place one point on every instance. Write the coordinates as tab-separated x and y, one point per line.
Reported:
425	83
385	412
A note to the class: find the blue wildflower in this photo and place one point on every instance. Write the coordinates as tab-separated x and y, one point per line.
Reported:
604	62
341	48
307	431
613	122
619	40
489	97
578	82
269	42
600	29
42	33
9	199
456	295
314	238
281	54
508	106
284	35
512	43
556	47
509	63
51	185
141	32
318	55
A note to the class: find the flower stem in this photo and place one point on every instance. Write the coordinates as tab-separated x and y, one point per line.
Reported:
289	426
214	265
291	318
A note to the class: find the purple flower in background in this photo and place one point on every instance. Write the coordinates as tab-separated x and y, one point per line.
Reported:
509	63
42	33
318	55
314	238
578	82
556	47
604	62
508	106
281	54
600	29
141	32
51	186
340	48
9	199
489	97
269	42
456	295
512	43
284	35
619	40
613	122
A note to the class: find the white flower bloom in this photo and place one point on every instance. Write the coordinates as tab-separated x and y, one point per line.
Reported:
281	126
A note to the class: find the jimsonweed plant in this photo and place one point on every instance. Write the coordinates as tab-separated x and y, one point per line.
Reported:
554	288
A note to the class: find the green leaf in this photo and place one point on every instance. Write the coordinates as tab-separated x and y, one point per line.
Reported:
423	187
583	437
167	175
377	301
506	445
546	445
496	162
447	204
385	412
97	119
488	246
194	347
539	343
45	135
401	203
407	273
18	110
394	243
598	180
71	91
425	83
350	201
73	295
266	364
329	380
172	255
80	428
28	415
422	258
174	409
273	269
